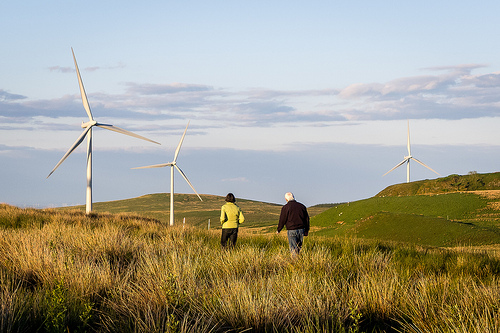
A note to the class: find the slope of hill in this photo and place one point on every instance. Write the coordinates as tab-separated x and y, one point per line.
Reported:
453	183
196	212
449	211
439	218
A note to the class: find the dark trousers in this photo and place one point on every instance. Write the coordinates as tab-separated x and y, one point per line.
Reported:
229	234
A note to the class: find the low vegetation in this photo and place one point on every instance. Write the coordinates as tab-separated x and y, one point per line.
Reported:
63	271
449	211
192	211
428	212
190	208
452	219
473	181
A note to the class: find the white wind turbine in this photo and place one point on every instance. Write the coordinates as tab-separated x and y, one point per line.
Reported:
88	132
173	165
407	160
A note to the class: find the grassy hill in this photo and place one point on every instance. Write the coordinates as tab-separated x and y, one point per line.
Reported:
438	218
197	213
449	211
453	183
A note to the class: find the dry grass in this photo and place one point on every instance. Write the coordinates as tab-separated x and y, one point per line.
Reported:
64	272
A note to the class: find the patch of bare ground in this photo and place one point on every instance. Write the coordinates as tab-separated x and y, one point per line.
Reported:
493	195
492	249
256	230
268	230
493	205
489	194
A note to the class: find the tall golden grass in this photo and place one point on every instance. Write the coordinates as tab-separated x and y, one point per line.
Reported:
65	271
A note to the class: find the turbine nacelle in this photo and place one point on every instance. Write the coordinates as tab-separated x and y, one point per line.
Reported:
89	124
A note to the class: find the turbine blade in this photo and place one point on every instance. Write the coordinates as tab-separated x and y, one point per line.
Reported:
73	147
82	89
154	166
425	165
408	143
397	166
180	143
187	180
122	131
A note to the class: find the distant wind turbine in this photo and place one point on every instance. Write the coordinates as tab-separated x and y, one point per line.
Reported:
88	132
173	165
407	160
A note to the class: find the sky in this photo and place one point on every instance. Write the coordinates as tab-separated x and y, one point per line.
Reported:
313	97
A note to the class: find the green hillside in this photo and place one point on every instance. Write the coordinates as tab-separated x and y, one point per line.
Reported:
197	213
450	211
453	183
188	206
439	218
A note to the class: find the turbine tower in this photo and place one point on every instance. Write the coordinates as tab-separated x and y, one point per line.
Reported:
87	131
407	160
173	165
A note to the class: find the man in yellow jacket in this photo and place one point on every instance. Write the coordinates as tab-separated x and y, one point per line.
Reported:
230	217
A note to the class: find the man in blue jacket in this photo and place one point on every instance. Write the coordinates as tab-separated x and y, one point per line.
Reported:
296	219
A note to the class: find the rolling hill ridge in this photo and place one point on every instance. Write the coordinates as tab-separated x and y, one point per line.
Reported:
450	211
452	183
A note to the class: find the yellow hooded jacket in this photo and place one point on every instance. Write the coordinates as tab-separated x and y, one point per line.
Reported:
231	216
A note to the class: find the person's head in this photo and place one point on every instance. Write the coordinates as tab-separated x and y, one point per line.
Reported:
230	198
289	196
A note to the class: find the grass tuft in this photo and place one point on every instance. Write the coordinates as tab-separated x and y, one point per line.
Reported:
64	271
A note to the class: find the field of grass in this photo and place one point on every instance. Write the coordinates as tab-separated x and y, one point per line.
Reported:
452	183
444	219
451	219
63	271
196	212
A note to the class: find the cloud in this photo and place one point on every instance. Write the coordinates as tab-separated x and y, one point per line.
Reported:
69	69
263	93
14	112
25	110
357	90
236	180
464	68
400	87
447	92
5	96
454	93
96	68
161	89
61	69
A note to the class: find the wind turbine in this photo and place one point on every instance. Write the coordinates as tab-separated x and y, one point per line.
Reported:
407	160
87	131
173	165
